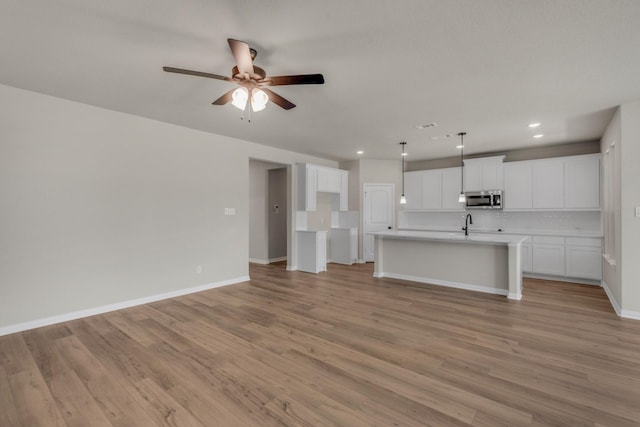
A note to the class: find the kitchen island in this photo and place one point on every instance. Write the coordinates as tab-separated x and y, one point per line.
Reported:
485	263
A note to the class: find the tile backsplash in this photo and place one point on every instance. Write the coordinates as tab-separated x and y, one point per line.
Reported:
588	221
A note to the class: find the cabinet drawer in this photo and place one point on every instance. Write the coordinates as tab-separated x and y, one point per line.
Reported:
594	242
548	240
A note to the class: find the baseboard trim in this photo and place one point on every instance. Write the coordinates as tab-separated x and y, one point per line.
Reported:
47	321
612	300
628	314
292	268
457	285
361	261
267	261
562	279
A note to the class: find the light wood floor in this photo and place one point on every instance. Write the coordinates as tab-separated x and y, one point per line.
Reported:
338	348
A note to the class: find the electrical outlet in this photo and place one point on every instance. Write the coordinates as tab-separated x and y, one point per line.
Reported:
637	210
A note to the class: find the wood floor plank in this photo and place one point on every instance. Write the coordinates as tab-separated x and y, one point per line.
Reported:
8	410
75	403
33	401
333	349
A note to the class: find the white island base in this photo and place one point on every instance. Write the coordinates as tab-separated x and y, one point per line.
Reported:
485	263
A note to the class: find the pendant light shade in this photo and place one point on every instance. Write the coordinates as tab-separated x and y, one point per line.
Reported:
403	199
259	100
239	98
462	198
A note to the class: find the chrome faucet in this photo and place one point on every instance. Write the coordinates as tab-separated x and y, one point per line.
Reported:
467	221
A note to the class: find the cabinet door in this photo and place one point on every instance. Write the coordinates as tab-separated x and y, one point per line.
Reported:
451	186
548	255
582	182
548	184
432	189
312	188
322	179
584	258
335	178
518	185
413	190
492	176
473	175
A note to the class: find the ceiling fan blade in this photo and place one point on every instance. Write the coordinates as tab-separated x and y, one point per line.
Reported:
278	100
196	73
302	79
242	55
224	99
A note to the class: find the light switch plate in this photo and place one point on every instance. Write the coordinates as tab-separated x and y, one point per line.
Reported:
637	210
229	211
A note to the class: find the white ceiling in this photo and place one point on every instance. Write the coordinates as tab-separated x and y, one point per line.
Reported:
488	67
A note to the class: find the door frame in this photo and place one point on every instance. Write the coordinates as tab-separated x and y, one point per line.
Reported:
364	207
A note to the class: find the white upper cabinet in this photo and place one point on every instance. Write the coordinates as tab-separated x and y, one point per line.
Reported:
329	180
313	178
518	185
413	190
561	183
582	182
310	187
430	190
451	186
485	173
548	184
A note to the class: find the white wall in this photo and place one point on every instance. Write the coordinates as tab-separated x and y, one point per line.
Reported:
610	271
630	198
100	207
623	278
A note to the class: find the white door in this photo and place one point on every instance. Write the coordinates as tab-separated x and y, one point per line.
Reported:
379	208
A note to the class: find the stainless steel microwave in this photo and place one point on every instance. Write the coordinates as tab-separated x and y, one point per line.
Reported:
491	199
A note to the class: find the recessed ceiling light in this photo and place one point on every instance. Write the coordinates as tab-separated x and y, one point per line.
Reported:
459	146
538	135
359	152
534	125
404	154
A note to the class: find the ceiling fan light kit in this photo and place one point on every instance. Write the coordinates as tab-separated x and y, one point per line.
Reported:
252	81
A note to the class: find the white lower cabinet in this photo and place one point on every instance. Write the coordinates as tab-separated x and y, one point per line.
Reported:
584	258
312	251
564	257
344	245
548	255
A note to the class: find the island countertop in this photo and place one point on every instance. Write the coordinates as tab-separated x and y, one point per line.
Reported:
484	238
491	261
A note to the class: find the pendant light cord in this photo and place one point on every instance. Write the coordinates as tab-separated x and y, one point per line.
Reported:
402	155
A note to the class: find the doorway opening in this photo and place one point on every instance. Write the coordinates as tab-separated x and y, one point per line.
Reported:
268	212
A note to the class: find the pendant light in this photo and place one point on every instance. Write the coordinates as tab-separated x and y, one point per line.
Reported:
403	199
462	198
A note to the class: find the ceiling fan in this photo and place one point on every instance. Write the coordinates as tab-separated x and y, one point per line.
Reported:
253	80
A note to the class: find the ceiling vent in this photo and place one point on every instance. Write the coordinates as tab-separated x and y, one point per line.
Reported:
428	125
